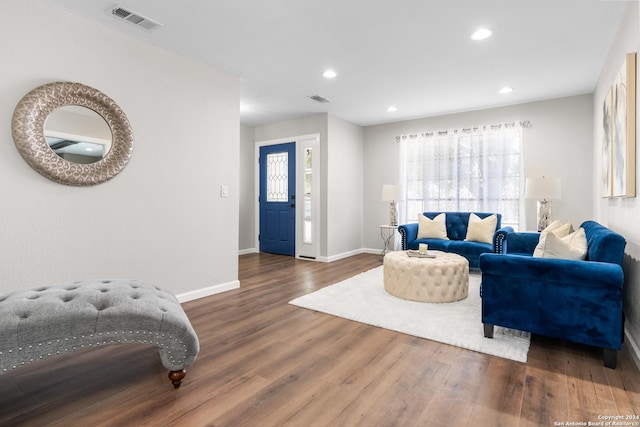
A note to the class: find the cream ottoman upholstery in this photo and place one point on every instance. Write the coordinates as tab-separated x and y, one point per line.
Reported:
444	278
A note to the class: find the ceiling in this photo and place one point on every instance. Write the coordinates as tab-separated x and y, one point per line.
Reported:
416	55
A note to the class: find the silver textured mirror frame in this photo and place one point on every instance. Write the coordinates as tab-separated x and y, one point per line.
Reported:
28	133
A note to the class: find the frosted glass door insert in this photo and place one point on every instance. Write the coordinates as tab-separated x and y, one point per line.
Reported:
278	177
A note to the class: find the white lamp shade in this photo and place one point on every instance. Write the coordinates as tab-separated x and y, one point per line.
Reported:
389	193
544	188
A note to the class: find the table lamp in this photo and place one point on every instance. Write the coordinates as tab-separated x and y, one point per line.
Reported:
543	190
389	194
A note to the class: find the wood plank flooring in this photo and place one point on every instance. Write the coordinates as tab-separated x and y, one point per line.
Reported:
264	362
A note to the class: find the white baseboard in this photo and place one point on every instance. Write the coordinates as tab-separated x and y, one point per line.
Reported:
205	292
350	253
371	251
339	256
247	251
633	347
324	258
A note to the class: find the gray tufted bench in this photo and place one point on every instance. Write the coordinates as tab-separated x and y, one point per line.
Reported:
42	322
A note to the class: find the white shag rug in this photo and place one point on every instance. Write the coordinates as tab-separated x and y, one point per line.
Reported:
363	298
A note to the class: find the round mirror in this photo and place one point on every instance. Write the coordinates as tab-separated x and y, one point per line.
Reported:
72	134
77	134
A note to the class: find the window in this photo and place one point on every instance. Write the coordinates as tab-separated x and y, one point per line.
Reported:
307	235
471	170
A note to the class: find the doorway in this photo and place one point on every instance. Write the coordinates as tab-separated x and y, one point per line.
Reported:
277	199
303	183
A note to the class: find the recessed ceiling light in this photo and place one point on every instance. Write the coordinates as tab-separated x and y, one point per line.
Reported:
481	34
392	109
329	74
505	89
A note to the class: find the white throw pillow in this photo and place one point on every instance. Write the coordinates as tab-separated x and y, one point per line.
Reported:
558	229
554	224
435	228
573	246
481	230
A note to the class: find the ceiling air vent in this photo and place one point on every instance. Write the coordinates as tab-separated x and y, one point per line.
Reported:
320	99
134	18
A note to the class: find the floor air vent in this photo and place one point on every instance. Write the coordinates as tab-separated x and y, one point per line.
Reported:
320	99
134	18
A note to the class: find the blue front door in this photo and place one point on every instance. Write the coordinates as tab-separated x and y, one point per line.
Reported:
277	199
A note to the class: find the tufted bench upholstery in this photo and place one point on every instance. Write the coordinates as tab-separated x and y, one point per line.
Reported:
42	322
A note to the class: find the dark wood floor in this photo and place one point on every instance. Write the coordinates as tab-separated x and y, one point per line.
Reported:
264	362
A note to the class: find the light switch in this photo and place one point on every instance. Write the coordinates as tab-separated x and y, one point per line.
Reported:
224	191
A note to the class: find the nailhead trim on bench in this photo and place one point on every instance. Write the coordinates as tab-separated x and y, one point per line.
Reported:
157	343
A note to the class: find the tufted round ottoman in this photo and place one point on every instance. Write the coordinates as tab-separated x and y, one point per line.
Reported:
444	278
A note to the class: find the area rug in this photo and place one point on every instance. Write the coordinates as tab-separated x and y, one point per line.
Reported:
363	298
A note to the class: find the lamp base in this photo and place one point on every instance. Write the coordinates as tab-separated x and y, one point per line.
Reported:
544	214
393	214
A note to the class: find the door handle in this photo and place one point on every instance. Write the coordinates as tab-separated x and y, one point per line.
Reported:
292	205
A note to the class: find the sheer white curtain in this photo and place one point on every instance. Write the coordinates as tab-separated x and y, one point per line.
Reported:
475	169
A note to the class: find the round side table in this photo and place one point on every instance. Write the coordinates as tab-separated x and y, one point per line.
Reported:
387	232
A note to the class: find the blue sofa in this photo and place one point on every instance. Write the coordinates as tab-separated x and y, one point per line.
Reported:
456	232
579	301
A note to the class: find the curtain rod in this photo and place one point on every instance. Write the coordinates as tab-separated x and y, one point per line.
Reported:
525	124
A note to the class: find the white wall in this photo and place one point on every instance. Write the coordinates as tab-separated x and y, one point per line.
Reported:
558	144
162	218
620	215
345	187
247	232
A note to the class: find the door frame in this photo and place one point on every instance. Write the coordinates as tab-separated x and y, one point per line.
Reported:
302	250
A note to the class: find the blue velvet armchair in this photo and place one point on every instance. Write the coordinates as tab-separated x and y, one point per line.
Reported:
579	301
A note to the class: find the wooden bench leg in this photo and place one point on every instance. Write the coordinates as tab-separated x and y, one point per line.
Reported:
176	377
